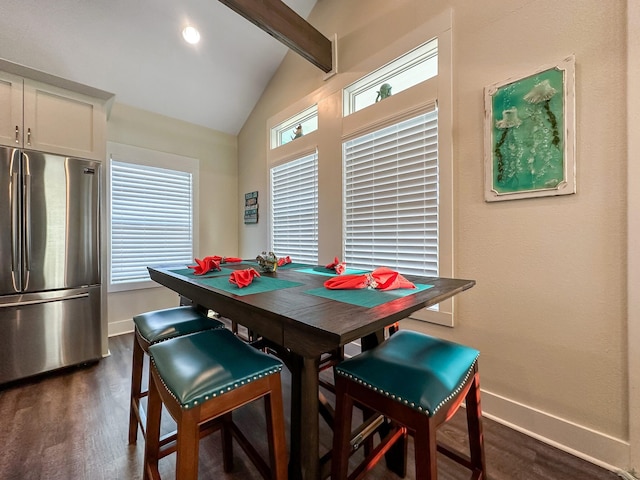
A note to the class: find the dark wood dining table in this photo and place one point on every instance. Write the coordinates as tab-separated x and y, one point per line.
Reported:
303	325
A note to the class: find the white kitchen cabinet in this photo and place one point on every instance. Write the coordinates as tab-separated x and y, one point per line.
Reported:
11	109
38	116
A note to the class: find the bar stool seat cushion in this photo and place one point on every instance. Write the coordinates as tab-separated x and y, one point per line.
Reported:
412	368
161	325
196	368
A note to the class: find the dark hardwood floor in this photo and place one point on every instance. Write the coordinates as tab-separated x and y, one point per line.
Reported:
72	425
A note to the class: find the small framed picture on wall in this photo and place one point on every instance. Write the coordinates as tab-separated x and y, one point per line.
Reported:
251	207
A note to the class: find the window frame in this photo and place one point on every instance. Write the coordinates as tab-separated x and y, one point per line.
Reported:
404	105
277	131
151	158
386	74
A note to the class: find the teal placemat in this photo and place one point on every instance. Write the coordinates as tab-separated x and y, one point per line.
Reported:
188	272
366	297
259	285
329	272
293	265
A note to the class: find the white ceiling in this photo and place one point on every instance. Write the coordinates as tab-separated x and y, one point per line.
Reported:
134	49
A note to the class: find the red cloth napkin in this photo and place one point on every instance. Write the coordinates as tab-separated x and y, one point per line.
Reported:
211	263
205	265
284	260
220	259
337	265
242	278
231	259
382	278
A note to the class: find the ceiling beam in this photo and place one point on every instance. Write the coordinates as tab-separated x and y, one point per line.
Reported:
282	23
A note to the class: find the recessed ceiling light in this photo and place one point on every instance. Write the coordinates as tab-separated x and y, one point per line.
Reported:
191	35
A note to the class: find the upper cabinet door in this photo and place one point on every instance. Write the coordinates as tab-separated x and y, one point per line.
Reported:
10	110
63	122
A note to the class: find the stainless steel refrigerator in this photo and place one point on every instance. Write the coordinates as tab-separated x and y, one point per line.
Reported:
49	262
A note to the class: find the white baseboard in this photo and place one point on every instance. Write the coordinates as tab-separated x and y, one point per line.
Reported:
590	445
120	327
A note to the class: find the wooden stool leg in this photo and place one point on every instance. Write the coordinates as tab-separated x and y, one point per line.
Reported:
188	444
474	425
341	432
227	442
425	452
274	413
393	328
152	443
137	363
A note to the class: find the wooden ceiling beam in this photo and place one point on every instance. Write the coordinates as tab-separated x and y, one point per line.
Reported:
282	23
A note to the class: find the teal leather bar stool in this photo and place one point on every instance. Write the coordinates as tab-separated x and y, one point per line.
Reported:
153	327
418	382
200	379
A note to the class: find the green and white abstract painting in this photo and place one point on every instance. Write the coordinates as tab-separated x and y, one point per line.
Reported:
529	134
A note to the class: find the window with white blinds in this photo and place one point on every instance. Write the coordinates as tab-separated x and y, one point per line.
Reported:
391	197
151	219
294	209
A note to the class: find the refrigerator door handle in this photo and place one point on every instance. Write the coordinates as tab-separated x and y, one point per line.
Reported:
15	229
27	229
44	300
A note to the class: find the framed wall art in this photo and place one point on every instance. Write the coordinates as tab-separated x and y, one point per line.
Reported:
251	207
530	134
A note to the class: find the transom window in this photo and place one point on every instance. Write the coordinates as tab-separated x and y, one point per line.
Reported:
414	67
299	125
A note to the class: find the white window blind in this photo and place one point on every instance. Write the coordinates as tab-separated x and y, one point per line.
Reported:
294	209
391	197
151	219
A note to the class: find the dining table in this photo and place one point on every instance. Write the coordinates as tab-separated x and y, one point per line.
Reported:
302	320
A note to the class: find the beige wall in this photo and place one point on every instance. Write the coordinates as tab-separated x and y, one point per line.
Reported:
549	309
218	218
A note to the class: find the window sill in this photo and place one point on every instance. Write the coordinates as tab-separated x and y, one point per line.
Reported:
125	287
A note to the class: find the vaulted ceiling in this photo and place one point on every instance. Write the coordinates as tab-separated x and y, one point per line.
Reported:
134	49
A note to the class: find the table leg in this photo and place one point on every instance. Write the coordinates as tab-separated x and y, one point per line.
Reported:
304	451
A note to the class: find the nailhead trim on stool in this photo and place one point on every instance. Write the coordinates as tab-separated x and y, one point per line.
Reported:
150	328
418	382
